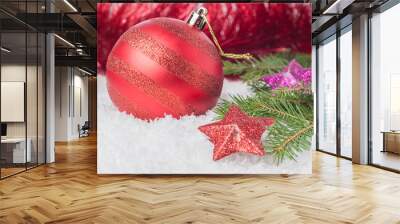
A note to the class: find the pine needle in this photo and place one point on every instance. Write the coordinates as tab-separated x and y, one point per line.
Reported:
251	71
291	108
293	113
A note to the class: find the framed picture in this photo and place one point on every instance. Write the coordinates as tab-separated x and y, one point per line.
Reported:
204	88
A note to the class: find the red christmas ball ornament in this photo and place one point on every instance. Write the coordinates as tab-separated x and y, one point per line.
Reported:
165	66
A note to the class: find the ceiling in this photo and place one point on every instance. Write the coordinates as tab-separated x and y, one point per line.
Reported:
328	15
74	21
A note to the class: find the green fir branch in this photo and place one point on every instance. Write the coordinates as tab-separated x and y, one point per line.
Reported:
303	59
253	70
286	141
303	97
291	108
293	113
267	104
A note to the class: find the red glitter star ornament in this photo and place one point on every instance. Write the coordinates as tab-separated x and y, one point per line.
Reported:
237	132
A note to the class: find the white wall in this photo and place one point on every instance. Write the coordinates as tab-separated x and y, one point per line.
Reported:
70	83
62	81
33	126
80	103
12	73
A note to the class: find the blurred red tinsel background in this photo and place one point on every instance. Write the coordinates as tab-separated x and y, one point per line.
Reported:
258	28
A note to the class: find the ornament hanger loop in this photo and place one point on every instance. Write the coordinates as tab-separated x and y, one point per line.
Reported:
198	19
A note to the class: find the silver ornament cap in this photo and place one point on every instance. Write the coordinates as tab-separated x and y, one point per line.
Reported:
197	18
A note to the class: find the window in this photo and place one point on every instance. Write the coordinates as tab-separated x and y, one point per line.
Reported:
327	96
346	93
385	89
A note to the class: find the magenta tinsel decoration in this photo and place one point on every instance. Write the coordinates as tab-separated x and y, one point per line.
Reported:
293	75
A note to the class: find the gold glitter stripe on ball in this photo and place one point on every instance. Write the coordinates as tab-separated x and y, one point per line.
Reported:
147	85
194	40
173	62
129	108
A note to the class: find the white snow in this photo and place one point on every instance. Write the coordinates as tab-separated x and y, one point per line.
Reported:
127	145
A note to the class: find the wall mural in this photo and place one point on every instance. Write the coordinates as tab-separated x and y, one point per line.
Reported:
204	88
